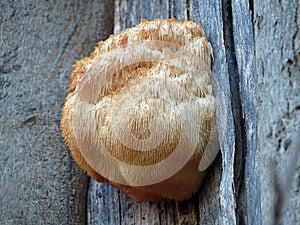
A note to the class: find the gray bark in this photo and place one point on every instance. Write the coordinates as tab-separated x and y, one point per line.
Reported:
40	183
278	95
39	42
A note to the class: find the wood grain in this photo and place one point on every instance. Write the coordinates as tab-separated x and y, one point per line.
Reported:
277	50
256	72
39	42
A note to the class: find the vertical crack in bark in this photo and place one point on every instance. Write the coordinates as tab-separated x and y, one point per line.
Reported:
88	202
239	125
170	12
296	54
187	3
120	208
251	7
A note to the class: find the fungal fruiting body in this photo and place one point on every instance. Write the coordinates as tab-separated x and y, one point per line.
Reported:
141	110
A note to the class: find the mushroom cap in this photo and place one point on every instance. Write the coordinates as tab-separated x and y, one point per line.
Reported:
141	110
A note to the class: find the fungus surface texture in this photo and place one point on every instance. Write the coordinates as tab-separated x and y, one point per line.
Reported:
140	112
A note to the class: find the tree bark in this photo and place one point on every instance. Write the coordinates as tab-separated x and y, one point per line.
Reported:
278	94
258	112
39	42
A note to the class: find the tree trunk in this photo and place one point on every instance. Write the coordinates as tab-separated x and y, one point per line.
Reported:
39	42
278	94
258	88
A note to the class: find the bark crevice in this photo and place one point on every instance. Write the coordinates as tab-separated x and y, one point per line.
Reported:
239	124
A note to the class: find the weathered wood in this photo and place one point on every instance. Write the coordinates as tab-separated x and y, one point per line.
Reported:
40	184
277	47
215	203
243	39
39	42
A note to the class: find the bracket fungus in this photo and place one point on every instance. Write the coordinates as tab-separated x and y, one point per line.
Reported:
141	112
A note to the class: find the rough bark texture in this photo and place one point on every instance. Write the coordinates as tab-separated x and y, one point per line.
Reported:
39	42
277	38
40	183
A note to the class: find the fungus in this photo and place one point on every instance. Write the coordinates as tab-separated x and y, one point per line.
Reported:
141	110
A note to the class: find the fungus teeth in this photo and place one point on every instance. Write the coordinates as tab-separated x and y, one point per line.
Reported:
141	111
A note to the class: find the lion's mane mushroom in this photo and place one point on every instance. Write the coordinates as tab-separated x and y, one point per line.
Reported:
141	111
